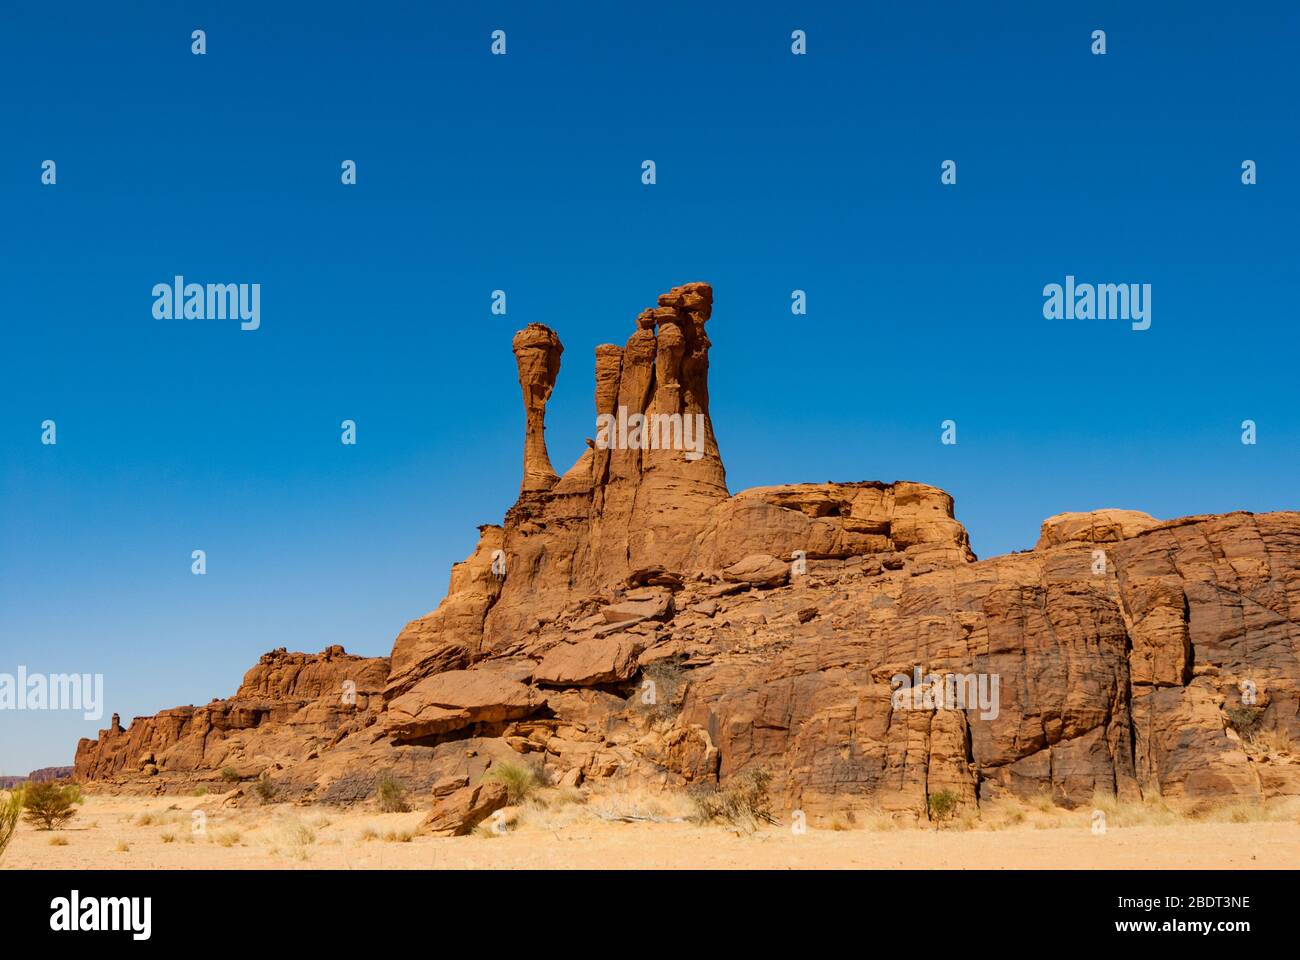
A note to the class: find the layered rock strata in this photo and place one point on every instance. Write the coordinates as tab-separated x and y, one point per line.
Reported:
631	619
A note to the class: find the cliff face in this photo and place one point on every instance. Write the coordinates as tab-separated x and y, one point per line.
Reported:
631	619
1123	680
289	706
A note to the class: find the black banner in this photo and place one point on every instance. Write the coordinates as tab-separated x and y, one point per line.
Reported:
355	908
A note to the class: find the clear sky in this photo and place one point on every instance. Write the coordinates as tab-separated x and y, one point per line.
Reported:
523	173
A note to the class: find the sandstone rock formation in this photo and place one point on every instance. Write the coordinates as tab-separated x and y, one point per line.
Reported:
457	699
537	353
457	813
631	619
36	776
288	706
1098	526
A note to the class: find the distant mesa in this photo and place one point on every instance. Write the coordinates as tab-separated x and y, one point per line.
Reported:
36	776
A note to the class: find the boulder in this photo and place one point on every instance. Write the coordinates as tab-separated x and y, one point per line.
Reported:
456	699
459	812
758	570
655	575
648	603
591	662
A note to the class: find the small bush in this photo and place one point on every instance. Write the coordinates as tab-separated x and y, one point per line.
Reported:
230	775
169	838
742	802
398	836
48	805
392	795
201	792
943	805
57	841
264	787
122	847
520	779
145	820
1245	720
669	684
10	809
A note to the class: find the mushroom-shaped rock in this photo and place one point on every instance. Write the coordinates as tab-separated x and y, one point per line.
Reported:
537	354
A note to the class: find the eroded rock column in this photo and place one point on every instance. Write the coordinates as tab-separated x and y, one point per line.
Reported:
537	354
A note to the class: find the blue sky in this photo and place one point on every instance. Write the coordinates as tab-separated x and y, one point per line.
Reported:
522	173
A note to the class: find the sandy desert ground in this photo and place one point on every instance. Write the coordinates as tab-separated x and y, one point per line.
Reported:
163	832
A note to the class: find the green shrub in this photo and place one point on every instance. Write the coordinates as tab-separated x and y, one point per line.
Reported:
520	779
264	788
392	794
943	805
230	775
1245	720
10	808
49	805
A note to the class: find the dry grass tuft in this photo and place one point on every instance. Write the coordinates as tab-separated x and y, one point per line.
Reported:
742	802
1274	742
521	779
